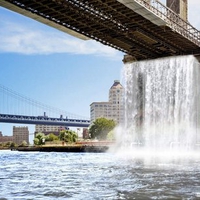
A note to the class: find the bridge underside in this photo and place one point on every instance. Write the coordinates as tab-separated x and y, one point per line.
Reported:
109	22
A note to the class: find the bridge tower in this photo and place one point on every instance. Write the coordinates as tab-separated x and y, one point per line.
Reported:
180	7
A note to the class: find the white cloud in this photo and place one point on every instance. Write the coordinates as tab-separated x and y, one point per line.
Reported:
29	39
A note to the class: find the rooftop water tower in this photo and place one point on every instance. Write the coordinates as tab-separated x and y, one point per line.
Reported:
180	7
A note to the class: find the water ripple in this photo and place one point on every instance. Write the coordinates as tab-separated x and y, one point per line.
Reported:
37	175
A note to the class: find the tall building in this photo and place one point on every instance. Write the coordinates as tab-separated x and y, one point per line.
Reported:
180	7
100	109
20	134
114	108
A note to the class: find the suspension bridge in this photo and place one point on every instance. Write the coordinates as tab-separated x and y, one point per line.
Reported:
144	29
17	108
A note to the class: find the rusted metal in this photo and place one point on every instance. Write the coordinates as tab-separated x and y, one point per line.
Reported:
114	24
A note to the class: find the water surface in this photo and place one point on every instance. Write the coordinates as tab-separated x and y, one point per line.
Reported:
42	175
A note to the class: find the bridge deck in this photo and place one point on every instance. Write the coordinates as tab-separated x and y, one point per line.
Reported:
115	24
22	119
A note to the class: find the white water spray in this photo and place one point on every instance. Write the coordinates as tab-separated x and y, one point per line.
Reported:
162	103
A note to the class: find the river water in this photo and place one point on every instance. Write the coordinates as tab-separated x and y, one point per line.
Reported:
51	175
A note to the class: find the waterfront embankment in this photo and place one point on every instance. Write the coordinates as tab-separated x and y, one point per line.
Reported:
98	147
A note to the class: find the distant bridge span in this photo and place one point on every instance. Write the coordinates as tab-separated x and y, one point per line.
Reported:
22	119
135	27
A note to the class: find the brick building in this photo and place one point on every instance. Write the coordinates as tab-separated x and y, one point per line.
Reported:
20	134
4	139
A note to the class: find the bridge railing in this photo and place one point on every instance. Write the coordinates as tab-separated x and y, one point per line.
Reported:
173	20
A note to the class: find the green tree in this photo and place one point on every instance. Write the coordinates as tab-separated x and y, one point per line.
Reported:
7	144
62	135
13	144
36	141
101	127
111	135
39	138
68	136
51	137
23	144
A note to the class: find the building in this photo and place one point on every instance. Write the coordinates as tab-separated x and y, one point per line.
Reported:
116	98
85	133
47	129
100	109
20	134
114	108
4	139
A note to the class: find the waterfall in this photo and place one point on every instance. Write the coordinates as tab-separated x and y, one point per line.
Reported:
162	104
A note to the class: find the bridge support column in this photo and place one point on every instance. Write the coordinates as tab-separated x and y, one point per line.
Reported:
128	59
180	7
198	57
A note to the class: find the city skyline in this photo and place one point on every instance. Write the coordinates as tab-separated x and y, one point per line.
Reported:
58	69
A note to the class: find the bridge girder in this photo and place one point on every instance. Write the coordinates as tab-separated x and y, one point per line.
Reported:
44	120
109	22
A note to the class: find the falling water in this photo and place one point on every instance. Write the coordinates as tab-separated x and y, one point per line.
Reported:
162	103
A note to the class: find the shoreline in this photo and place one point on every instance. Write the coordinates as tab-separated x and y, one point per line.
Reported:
69	148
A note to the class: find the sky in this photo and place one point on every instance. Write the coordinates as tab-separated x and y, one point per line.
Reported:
57	69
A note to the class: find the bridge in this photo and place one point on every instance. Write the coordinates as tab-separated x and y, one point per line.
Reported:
144	29
27	111
44	120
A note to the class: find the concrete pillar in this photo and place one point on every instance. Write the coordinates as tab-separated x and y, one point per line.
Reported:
128	59
180	7
198	57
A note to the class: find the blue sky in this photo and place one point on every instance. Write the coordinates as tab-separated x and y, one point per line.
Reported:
57	69
52	67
